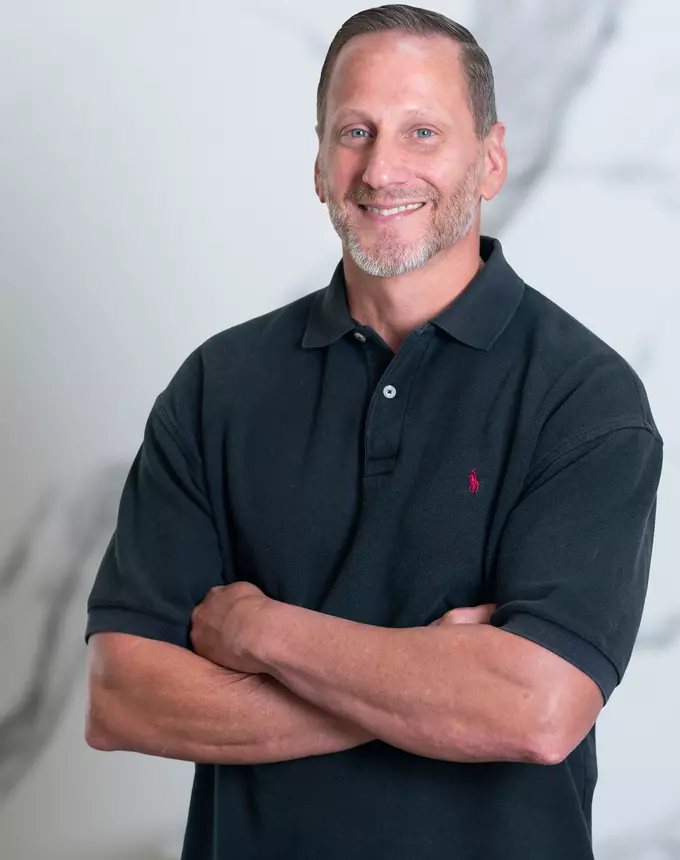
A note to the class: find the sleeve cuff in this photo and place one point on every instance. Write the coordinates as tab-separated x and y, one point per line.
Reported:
568	645
117	619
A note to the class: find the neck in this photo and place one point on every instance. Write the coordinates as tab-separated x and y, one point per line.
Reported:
395	306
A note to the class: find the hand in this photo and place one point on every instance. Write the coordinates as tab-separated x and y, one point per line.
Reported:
226	625
466	615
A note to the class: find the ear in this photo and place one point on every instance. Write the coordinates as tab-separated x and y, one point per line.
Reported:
495	162
318	186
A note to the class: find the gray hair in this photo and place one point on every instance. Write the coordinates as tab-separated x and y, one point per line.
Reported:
418	22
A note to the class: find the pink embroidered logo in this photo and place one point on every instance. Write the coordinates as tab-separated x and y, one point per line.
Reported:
473	484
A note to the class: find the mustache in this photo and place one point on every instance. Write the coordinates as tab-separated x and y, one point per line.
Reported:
367	196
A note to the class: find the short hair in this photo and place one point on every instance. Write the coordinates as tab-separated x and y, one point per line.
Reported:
418	22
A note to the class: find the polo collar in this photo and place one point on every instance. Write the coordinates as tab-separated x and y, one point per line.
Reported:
476	317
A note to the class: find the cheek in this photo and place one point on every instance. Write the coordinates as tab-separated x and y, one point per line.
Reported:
448	170
343	171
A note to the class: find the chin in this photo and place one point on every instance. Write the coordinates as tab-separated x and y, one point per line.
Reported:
384	266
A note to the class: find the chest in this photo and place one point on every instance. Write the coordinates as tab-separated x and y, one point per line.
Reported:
370	491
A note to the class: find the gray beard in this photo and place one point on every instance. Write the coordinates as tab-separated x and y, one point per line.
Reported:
449	223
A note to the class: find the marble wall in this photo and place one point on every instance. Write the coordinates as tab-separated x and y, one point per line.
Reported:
139	141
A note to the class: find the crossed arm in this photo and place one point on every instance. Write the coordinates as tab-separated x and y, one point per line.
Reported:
160	699
317	684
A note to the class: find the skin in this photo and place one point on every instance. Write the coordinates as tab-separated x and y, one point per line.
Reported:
398	128
229	622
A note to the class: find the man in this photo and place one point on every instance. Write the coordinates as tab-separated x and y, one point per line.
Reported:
319	487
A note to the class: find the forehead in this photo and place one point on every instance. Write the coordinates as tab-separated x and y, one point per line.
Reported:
398	69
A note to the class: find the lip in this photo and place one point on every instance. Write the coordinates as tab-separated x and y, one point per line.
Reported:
392	204
406	213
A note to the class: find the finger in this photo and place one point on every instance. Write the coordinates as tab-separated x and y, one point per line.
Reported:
470	614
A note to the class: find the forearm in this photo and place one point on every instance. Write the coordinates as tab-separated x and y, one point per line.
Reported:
466	693
167	701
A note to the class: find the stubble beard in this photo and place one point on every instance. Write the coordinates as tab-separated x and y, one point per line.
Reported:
389	256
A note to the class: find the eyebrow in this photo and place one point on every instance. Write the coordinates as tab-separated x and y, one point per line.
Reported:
413	113
359	112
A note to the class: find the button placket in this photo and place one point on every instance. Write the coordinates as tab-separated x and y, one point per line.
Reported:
386	413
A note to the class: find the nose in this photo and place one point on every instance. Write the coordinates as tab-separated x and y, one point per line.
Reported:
387	164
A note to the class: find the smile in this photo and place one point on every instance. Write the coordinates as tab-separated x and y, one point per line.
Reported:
394	211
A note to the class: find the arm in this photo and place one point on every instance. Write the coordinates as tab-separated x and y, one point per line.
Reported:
466	693
156	698
160	699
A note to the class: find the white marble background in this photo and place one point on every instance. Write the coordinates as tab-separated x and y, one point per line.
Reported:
156	187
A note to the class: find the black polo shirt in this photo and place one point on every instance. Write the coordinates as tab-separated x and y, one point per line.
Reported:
503	454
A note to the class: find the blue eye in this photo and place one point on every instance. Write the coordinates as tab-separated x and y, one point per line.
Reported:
428	130
361	130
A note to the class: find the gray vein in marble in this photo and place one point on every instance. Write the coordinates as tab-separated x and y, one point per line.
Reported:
84	524
564	40
12	565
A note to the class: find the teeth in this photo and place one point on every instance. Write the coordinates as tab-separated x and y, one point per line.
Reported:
395	210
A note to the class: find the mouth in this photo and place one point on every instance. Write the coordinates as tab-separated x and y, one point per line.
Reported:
395	211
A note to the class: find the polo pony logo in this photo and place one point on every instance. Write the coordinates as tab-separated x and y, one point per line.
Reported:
473	484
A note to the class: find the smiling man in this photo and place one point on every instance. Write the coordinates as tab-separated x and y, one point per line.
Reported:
382	555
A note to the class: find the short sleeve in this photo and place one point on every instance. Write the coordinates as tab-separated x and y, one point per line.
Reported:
573	562
164	554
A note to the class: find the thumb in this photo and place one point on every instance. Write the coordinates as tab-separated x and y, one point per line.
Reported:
467	615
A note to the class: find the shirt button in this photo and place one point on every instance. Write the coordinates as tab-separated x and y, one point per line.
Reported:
390	391
359	336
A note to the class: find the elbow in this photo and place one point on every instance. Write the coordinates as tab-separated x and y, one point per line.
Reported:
97	740
549	751
546	738
100	706
98	735
556	745
562	724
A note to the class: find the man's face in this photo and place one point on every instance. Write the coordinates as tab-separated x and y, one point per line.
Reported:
399	131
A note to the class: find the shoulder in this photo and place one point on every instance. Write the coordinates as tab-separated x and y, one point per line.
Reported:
225	362
580	385
279	328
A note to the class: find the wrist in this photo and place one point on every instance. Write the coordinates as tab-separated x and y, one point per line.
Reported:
267	622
